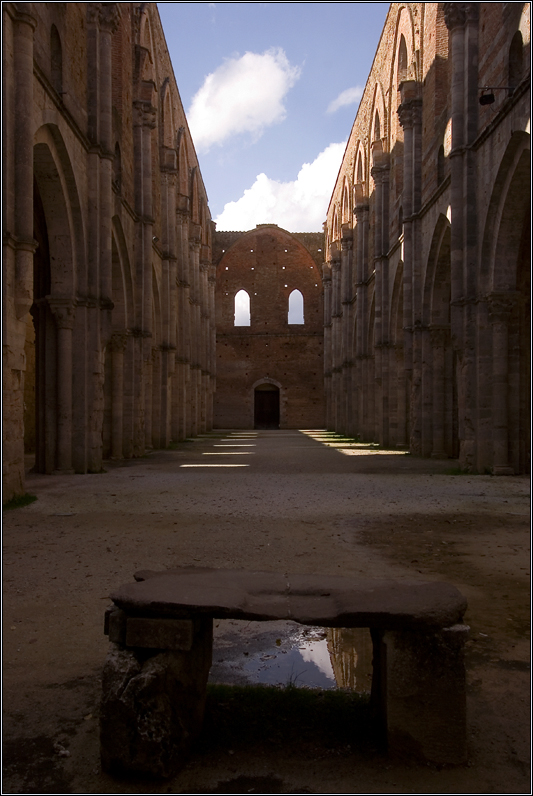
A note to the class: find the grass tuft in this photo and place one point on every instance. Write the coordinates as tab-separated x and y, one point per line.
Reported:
239	716
19	501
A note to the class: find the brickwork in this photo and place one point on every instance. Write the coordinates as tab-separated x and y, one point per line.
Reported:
108	285
428	278
269	263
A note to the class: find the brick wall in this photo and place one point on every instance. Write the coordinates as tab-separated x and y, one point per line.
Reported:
269	264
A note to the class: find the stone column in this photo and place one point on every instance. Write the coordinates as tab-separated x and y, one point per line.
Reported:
194	409
23	27
500	308
462	22
347	329
182	377
439	340
380	175
117	347
336	328
63	311
421	691
410	115
328	359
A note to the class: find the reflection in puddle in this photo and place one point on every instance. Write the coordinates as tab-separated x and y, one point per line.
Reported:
312	657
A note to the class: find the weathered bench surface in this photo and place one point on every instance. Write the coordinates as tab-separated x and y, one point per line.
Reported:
323	600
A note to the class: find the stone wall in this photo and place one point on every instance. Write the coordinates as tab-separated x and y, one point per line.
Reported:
269	264
107	242
427	267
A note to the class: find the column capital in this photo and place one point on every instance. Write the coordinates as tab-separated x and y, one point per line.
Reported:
19	13
455	15
63	310
109	16
145	114
118	342
410	112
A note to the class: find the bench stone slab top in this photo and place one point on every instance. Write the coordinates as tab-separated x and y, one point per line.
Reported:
324	600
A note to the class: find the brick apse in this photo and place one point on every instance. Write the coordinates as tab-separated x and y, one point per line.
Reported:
269	316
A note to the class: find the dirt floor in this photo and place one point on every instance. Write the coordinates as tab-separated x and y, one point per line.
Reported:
294	504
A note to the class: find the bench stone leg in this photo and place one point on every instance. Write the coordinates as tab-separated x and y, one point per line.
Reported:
420	692
153	704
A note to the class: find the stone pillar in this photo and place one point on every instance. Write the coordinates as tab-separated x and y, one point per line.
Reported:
500	308
182	376
361	287
380	175
153	699
117	347
410	113
439	340
328	358
420	692
336	329
63	311
23	27
462	22
347	300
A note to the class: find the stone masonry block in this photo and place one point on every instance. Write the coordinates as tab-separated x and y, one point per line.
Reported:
424	693
163	634
152	706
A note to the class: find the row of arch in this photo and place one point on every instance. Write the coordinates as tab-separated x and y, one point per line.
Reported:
114	285
424	349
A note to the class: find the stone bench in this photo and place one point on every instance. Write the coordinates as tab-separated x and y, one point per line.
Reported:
161	629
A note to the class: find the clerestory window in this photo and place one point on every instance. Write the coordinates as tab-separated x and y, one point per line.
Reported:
296	308
242	309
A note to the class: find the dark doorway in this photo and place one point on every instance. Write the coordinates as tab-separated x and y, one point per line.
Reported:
266	406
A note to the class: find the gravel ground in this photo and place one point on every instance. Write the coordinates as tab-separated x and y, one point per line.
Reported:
298	503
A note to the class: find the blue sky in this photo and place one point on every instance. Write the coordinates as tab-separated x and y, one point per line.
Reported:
271	92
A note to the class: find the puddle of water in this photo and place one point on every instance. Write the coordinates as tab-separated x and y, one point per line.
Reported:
311	657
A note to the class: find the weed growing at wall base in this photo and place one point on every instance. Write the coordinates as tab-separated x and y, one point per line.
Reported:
19	501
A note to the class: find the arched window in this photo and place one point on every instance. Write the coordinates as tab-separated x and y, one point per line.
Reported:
242	309
377	128
440	165
117	169
516	60
359	169
296	307
56	60
402	59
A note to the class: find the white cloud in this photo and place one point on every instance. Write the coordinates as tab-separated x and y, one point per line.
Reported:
348	97
244	95
298	206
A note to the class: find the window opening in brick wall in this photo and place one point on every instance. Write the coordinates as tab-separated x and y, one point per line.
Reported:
516	60
242	309
56	60
296	307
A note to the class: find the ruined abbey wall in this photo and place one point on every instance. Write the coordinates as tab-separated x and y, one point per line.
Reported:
269	263
427	272
108	337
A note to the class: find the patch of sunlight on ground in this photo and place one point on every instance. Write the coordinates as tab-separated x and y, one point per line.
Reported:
369	452
228	453
214	465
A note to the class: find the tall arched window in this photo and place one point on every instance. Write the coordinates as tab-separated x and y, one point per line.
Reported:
242	309
402	59
56	60
117	169
377	128
296	307
440	165
516	60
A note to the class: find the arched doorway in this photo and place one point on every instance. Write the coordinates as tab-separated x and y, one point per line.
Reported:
266	406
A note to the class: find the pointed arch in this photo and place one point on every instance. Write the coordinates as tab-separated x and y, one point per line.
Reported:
296	308
167	129
56	60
